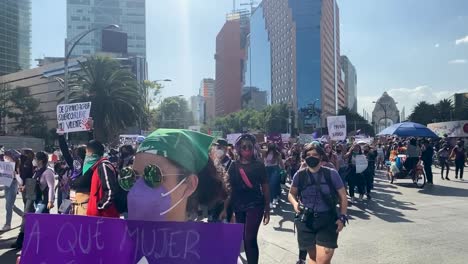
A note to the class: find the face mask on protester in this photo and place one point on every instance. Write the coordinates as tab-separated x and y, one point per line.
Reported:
247	151
148	199
220	153
34	163
89	162
312	162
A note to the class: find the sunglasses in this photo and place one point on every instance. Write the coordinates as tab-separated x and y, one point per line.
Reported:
152	175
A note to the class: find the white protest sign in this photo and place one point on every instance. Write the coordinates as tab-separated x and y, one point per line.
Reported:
231	138
337	127
7	170
73	117
361	163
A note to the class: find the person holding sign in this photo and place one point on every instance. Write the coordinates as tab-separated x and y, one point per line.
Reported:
355	168
10	166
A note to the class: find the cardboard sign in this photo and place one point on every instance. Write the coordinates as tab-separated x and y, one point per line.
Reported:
336	127
7	170
53	239
73	117
361	163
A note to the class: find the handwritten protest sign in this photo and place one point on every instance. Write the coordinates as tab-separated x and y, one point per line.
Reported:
73	117
361	163
336	127
51	239
7	170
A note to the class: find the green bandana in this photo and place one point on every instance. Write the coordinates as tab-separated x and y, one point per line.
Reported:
187	148
89	162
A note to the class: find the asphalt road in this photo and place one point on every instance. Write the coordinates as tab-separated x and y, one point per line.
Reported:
402	224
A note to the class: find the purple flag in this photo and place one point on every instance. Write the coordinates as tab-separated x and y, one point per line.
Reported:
51	239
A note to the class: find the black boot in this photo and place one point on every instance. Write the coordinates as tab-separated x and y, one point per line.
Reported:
19	241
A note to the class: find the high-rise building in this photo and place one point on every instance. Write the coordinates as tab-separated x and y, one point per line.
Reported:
129	15
350	83
258	62
231	43
197	106
304	56
207	90
15	35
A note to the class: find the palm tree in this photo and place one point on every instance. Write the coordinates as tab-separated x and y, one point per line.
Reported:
444	110
115	95
423	113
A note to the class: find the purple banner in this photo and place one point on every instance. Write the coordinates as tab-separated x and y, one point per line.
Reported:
67	239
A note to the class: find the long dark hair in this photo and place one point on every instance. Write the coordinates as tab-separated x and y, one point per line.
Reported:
273	148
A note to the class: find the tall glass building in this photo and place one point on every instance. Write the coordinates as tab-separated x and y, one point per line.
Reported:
87	14
15	35
258	62
298	41
350	82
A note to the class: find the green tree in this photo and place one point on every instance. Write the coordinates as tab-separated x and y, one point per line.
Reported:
423	113
276	118
173	113
151	91
355	121
445	110
5	105
25	110
117	98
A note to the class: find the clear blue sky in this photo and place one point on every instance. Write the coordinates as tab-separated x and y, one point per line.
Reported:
407	48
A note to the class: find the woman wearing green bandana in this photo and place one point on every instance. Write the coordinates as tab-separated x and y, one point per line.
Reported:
171	176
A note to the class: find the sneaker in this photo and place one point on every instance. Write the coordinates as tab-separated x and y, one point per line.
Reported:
301	262
369	197
456	176
447	178
353	200
5	228
361	196
442	178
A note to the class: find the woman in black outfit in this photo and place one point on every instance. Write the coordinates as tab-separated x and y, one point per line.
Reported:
250	196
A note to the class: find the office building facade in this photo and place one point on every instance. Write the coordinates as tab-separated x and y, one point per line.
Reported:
304	47
231	44
257	80
197	106
350	83
207	90
15	35
130	15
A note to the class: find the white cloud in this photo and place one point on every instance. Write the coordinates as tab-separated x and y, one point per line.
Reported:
458	61
407	97
463	40
436	45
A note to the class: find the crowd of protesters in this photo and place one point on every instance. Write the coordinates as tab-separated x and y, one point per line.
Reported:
180	175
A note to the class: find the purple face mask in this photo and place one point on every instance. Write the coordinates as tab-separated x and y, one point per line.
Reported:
149	204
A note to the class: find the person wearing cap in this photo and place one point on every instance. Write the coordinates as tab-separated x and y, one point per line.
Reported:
172	176
250	193
220	153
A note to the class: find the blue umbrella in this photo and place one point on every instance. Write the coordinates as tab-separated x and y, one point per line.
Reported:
408	129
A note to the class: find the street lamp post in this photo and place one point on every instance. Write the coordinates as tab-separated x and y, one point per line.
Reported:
68	52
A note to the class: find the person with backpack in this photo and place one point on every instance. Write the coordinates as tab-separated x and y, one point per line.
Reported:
39	191
314	194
